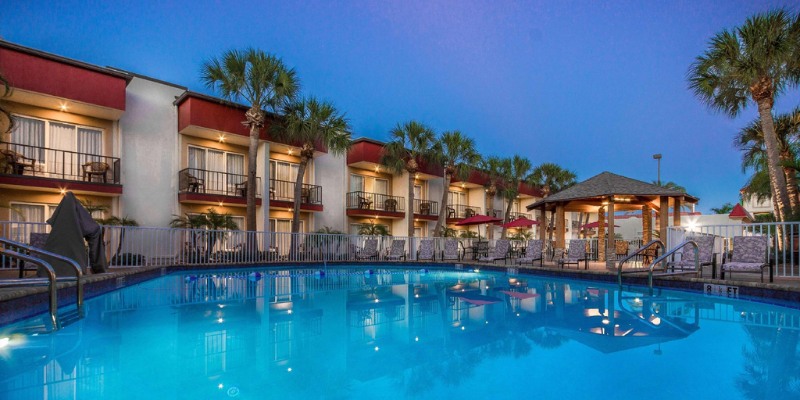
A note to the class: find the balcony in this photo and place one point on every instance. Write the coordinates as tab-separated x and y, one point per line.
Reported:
426	209
517	215
42	167
368	204
203	186
281	195
461	211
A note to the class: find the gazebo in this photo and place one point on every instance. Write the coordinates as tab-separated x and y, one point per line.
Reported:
607	192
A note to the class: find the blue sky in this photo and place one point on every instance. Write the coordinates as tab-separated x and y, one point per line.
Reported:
591	86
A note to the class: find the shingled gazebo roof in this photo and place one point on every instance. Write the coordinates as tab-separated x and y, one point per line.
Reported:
593	191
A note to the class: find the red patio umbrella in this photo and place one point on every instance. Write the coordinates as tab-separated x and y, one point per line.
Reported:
478	220
594	225
520	223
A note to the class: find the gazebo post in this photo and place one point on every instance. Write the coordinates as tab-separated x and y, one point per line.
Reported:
647	224
601	234
676	211
612	240
560	242
663	218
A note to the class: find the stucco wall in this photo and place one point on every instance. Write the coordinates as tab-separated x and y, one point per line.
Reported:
150	153
330	172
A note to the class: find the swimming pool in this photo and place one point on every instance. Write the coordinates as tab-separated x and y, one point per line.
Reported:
390	333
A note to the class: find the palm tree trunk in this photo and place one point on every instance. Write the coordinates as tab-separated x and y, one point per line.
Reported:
298	192
441	222
252	160
506	217
777	180
791	186
411	204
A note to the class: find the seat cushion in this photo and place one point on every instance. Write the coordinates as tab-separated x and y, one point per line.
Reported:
743	266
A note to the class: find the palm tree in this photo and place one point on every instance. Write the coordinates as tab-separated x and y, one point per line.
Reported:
492	166
311	122
723	209
552	178
516	170
210	220
117	221
411	143
260	80
457	157
750	62
371	229
750	140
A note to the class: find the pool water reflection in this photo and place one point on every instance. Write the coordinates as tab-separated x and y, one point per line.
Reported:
398	334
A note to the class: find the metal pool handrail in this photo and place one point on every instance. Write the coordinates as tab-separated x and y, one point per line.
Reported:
635	253
35	250
51	281
663	260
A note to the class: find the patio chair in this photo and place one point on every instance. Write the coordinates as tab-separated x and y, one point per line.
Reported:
575	254
398	250
18	162
192	183
305	196
390	205
425	208
425	251
749	255
468	212
451	212
450	251
95	168
499	252
240	189
705	255
364	203
370	250
533	252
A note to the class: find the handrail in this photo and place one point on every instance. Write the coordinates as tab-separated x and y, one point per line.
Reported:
74	264
666	255
51	276
637	252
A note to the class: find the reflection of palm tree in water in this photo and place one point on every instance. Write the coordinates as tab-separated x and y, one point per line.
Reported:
772	365
546	338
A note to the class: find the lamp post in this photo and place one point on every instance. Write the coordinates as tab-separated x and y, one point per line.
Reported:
658	157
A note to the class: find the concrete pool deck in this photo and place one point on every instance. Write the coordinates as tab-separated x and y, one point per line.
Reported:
22	302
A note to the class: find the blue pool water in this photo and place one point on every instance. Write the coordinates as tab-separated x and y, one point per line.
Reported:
261	334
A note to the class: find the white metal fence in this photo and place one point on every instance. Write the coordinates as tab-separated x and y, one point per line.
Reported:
783	241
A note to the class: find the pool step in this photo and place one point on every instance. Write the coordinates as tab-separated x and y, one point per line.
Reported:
70	317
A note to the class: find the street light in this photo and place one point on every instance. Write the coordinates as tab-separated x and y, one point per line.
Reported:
658	157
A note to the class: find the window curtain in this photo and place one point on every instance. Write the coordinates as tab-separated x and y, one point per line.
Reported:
356	183
62	137
215	161
29	132
235	168
381	186
197	158
90	145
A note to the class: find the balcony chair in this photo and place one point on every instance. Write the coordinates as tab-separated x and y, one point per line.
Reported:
95	168
364	203
451	212
575	254
17	162
425	208
533	252
193	183
390	205
240	189
305	196
468	212
499	252
749	255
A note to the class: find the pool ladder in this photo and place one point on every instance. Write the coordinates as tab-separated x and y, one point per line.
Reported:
660	262
33	255
620	271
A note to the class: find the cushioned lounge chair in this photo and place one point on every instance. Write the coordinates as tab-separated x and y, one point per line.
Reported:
451	250
398	250
749	255
705	255
533	252
575	254
370	250
425	251
499	252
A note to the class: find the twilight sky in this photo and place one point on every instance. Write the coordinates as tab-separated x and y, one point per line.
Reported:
591	86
